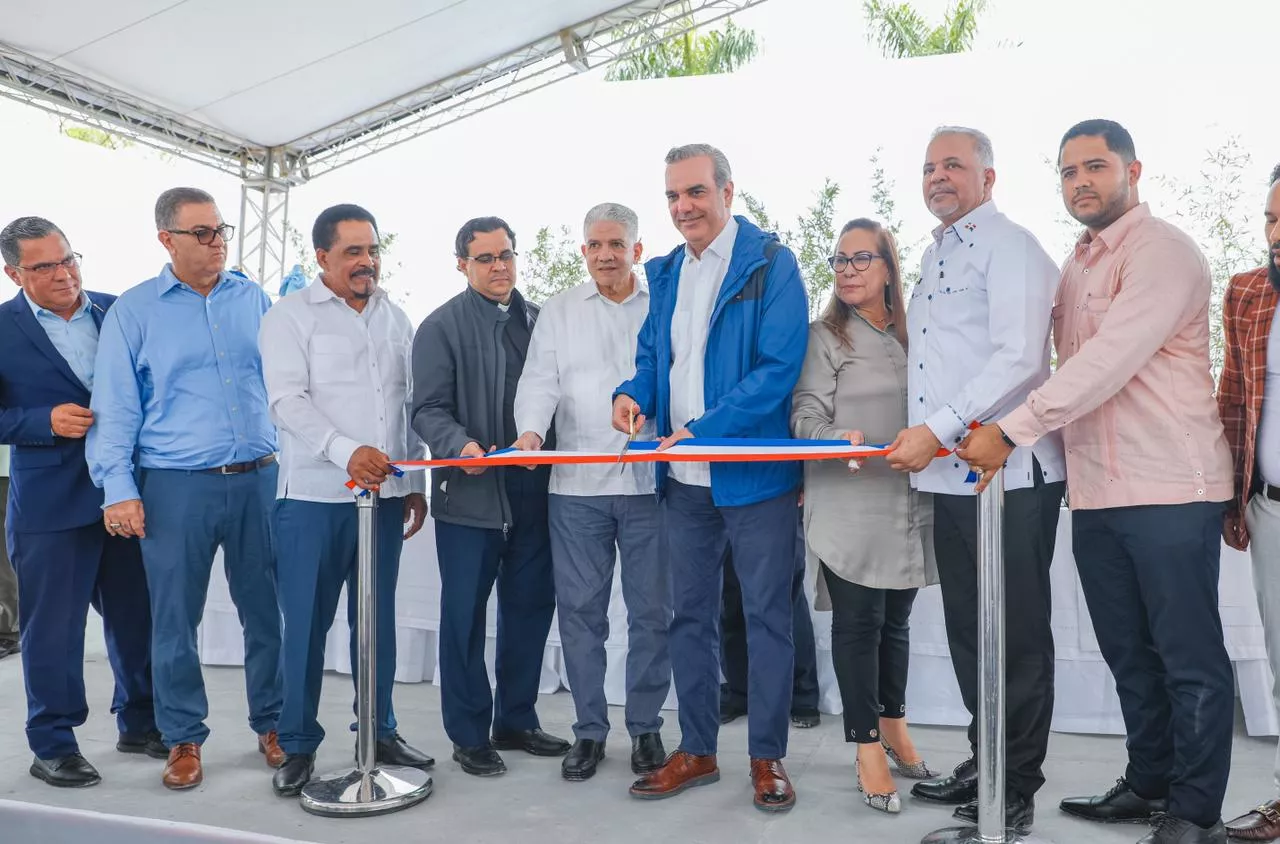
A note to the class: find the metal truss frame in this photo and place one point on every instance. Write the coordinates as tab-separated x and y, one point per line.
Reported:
267	173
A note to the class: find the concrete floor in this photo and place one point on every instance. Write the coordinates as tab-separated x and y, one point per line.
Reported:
531	803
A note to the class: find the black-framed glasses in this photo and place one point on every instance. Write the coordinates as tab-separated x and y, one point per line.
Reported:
205	235
860	260
47	268
487	258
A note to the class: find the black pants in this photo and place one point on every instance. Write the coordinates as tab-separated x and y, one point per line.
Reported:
1030	528
1150	578
871	650
733	639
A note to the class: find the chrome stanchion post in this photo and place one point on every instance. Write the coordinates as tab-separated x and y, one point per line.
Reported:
991	688
366	789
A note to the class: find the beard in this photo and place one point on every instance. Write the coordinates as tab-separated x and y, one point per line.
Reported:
1112	208
1273	271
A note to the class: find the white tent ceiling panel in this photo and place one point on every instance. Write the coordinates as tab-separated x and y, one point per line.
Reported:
272	71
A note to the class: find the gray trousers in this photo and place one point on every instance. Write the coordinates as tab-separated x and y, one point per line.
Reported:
587	534
1263	519
8	582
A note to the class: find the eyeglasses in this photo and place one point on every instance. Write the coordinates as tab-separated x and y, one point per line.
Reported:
68	263
860	260
505	256
204	236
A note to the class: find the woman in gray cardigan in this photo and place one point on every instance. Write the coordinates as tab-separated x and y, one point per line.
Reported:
869	534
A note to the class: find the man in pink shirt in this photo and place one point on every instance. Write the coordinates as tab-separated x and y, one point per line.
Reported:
1148	470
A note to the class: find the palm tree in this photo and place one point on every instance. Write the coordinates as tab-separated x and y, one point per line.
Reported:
688	53
902	32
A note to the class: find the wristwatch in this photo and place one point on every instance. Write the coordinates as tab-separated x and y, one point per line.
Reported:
1005	437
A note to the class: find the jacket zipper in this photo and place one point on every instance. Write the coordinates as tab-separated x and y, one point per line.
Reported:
501	381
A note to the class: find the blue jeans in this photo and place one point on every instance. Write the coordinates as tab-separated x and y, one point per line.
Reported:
316	555
188	516
588	533
762	538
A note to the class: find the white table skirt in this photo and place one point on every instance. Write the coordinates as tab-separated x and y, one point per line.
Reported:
1086	701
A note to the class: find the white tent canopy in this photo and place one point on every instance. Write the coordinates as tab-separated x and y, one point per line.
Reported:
280	91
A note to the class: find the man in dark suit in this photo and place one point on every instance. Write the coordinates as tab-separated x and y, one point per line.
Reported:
64	559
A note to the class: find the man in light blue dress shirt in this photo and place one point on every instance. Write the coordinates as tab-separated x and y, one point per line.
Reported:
184	450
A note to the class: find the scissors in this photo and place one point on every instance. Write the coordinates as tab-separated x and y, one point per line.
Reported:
631	424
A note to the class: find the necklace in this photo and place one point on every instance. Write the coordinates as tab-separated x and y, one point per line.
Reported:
879	324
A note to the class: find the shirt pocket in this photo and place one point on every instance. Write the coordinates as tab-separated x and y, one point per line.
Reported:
332	359
1095	311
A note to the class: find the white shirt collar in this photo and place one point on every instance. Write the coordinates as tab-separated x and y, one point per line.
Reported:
722	246
589	289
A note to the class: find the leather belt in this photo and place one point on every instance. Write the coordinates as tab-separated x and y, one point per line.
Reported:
241	468
1272	492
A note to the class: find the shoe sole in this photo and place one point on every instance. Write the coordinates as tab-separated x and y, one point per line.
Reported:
467	769
705	779
288	792
942	802
140	750
775	807
40	775
1094	819
184	787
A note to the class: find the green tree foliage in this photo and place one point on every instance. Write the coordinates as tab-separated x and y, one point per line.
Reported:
1219	211
554	264
901	32
685	53
92	135
811	239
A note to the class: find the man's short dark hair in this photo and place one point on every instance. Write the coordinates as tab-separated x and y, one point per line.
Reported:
326	226
24	228
1117	137
1275	176
173	199
470	228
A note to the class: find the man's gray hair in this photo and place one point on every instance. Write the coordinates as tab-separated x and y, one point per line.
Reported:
981	142
24	228
723	174
174	198
612	212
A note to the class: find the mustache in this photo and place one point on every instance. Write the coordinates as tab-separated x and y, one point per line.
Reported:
362	274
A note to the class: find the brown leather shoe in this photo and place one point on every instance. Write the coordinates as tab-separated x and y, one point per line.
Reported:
269	746
681	770
1262	824
183	769
773	791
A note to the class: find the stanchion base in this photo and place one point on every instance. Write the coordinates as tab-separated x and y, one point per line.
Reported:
969	835
352	794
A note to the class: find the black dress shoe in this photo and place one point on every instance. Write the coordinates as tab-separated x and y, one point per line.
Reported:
72	771
958	788
647	753
479	761
730	711
534	742
580	764
1019	812
394	750
149	743
1170	830
1119	805
293	774
9	646
806	719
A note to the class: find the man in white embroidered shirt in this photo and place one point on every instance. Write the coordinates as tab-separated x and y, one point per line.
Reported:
583	344
335	358
979	327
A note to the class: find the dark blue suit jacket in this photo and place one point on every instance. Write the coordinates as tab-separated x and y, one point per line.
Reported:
49	486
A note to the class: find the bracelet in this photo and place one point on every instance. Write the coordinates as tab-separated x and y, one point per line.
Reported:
1005	437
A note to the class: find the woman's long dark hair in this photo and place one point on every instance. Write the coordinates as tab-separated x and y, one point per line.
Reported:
837	313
